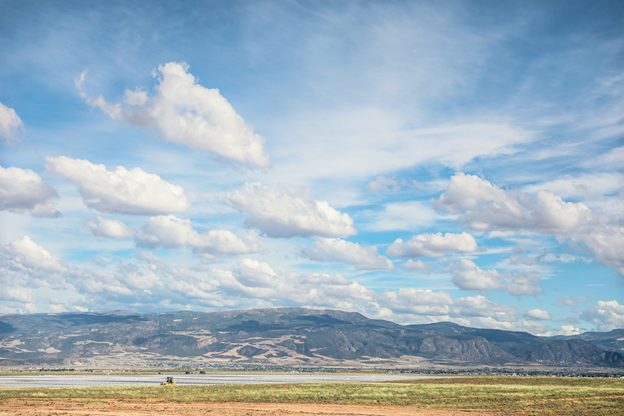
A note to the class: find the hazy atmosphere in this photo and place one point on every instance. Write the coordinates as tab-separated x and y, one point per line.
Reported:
414	161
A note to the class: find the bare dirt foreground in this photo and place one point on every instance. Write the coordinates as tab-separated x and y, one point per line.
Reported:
143	408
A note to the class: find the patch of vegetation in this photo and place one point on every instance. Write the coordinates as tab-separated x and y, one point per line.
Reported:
524	395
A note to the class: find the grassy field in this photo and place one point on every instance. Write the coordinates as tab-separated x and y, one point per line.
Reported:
525	395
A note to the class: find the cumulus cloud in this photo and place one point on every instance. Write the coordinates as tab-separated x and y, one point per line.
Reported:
485	206
251	279
10	124
121	191
605	315
151	284
253	273
480	306
22	190
17	294
182	111
168	231
109	228
606	242
417	301
433	245
255	280
338	250
230	285
25	263
468	276
281	215
489	207
470	191
332	291
568	330
538	314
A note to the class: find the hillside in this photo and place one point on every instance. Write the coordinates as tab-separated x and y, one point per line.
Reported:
292	337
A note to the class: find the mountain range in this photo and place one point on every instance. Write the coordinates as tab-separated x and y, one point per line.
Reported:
290	337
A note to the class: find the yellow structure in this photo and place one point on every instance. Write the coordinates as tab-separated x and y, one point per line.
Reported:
170	382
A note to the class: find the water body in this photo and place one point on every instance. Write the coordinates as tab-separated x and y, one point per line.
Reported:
186	379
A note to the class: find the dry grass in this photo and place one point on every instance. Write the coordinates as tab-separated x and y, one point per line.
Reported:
525	395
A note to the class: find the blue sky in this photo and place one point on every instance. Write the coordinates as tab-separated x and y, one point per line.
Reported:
412	161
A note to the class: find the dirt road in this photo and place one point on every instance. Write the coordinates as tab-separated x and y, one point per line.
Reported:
118	408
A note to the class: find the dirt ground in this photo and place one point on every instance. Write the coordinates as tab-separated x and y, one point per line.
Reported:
118	408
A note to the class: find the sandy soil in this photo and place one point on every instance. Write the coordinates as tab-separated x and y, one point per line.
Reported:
117	408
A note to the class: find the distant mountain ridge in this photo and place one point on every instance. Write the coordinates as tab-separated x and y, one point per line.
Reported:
287	337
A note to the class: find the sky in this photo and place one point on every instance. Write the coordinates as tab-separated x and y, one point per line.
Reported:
414	161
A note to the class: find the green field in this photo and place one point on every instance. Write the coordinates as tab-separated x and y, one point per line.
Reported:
525	395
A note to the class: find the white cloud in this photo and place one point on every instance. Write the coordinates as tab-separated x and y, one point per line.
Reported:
488	207
121	191
184	112
282	215
385	146
322	278
468	276
147	257
419	265
433	245
109	228
568	330
22	190
255	280
17	294
25	263
606	315
480	306
569	301
606	242
611	159
10	124
252	273
584	185
383	184
402	216
417	301
538	314
169	231
335	249
471	192
151	284
230	285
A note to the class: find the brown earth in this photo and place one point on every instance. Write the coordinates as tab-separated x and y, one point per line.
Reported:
136	408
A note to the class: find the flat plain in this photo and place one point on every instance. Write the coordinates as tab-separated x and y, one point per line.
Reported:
103	380
448	396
